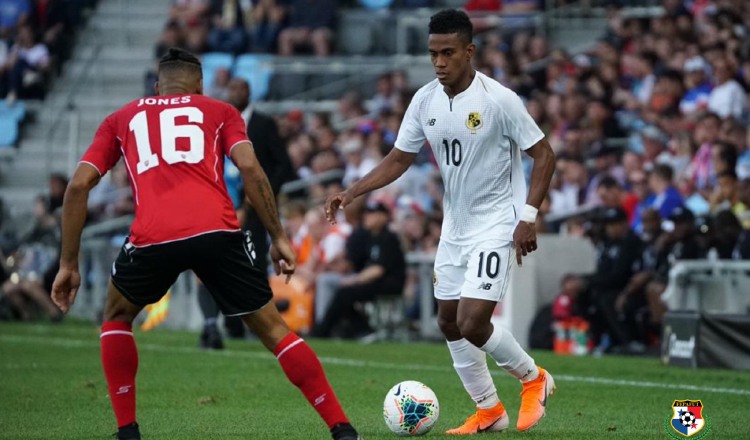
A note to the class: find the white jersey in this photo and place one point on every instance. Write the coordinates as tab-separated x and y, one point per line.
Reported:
476	138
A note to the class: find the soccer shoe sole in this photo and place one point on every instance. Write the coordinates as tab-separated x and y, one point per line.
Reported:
551	388
499	425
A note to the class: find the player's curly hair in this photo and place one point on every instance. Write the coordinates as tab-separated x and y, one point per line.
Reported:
179	60
452	21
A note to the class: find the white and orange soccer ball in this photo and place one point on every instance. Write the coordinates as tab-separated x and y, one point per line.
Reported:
410	408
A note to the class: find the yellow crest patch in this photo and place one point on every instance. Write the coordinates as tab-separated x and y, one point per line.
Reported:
474	122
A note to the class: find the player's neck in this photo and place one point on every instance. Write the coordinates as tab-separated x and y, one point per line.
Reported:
461	85
175	91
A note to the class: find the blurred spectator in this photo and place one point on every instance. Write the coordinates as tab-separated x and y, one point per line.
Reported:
358	164
34	267
612	195
113	197
13	14
310	23
27	65
270	151
384	273
570	190
192	16
706	134
664	195
727	230
727	98
267	19
726	195
606	164
54	19
219	87
228	32
483	5
617	255
698	88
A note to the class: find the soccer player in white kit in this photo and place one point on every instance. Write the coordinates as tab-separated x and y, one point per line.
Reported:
476	129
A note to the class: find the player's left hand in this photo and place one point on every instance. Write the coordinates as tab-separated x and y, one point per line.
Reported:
65	287
524	240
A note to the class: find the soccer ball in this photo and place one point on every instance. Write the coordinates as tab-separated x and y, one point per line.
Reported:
687	418
410	408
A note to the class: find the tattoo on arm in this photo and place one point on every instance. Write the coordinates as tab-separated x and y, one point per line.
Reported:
265	205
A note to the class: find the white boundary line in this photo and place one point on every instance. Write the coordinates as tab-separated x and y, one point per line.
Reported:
65	342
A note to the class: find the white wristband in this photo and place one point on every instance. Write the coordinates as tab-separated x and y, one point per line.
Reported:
528	214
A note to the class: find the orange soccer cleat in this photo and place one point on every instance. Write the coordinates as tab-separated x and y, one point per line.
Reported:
484	420
534	399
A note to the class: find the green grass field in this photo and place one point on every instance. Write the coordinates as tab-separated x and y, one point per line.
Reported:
52	387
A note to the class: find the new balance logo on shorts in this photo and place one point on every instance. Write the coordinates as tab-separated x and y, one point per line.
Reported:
431	122
485	286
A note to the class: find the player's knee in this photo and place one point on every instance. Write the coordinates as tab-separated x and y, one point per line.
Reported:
473	331
449	327
114	313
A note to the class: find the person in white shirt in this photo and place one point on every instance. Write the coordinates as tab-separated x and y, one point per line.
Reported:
727	99
477	129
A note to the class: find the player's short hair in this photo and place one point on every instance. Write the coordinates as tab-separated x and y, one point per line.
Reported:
179	61
452	21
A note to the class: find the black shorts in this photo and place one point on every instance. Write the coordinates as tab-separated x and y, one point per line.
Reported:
224	262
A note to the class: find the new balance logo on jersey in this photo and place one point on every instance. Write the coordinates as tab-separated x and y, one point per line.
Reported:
485	286
431	122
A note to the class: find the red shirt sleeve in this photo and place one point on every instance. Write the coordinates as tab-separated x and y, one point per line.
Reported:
234	130
104	151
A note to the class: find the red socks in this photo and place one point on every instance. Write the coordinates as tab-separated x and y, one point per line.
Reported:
120	362
303	369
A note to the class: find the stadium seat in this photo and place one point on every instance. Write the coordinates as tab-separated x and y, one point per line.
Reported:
286	85
8	130
376	4
213	61
16	111
257	71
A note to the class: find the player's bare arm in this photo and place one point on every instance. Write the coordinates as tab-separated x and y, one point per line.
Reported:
524	237
258	191
389	169
68	278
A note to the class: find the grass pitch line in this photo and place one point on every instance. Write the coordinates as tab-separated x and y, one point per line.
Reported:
264	355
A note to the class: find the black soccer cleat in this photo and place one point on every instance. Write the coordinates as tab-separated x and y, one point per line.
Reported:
211	338
128	432
344	431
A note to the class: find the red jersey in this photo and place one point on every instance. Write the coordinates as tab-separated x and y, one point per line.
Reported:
173	148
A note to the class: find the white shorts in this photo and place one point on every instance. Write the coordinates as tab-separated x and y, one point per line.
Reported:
480	270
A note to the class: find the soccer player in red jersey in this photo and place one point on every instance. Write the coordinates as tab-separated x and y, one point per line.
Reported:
173	146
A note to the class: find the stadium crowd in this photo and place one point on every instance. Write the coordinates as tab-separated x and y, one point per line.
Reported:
649	126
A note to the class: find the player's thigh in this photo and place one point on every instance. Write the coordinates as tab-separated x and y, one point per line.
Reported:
448	275
488	271
143	275
228	268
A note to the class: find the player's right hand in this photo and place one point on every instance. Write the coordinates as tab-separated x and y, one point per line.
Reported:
336	202
284	258
65	287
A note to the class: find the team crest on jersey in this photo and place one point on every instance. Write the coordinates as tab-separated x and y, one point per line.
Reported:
474	122
687	419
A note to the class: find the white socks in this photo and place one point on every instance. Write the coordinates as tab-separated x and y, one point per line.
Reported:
471	365
504	349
